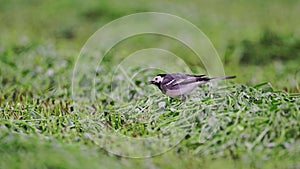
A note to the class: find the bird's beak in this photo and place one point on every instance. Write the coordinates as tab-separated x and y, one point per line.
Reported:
151	82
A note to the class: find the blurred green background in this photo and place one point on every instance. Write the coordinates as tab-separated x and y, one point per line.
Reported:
259	41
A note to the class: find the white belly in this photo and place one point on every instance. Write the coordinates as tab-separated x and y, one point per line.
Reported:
184	89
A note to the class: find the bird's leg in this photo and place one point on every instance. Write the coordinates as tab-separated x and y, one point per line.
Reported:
183	98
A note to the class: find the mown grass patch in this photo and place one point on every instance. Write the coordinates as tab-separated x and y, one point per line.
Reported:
236	122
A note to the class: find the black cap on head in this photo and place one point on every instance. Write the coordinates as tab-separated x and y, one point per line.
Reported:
162	75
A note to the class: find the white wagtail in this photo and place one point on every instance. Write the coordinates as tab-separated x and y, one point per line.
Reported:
178	85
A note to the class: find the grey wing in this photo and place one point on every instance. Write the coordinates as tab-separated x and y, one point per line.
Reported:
182	79
174	81
170	81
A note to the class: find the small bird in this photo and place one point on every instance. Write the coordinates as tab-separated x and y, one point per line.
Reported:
178	85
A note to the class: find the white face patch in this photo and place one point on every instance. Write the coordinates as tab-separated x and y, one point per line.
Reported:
157	79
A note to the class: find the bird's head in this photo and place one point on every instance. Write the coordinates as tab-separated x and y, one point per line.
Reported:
157	79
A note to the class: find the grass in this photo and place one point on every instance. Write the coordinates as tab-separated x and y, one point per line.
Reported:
250	125
251	122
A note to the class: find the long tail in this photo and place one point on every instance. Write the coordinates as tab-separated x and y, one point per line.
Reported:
222	78
203	79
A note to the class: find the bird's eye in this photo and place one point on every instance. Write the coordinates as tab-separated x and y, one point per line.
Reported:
156	79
